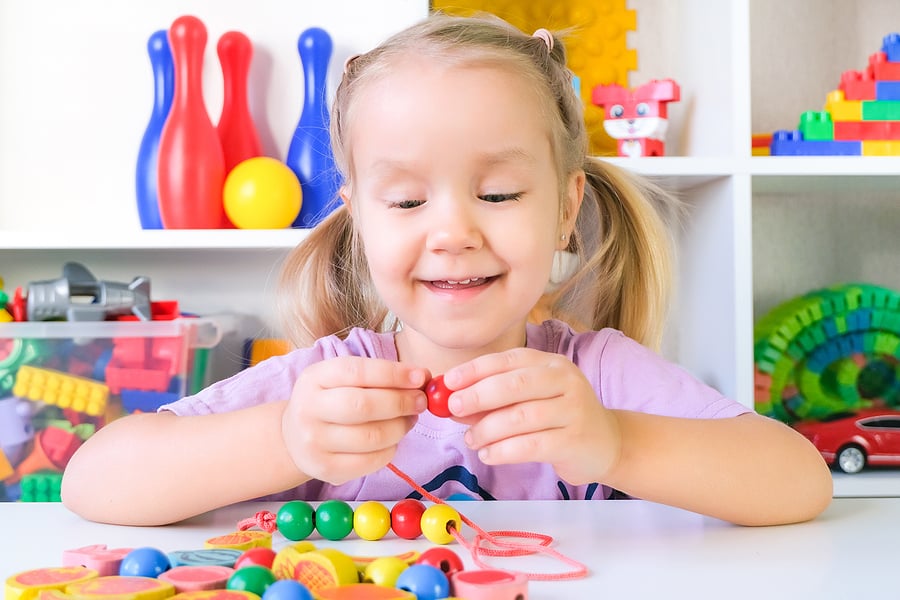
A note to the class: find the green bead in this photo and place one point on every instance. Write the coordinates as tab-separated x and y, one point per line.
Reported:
296	520
252	578
334	519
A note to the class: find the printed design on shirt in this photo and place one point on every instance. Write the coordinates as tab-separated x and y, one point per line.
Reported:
449	481
588	493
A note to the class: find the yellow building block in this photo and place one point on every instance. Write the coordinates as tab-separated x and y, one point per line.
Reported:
843	110
264	348
6	468
596	43
881	147
61	389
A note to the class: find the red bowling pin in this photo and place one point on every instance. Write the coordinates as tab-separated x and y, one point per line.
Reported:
191	161
236	129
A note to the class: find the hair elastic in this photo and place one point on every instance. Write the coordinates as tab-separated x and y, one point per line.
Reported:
546	36
349	60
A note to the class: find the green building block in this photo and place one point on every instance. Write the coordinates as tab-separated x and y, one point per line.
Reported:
881	110
816	125
42	486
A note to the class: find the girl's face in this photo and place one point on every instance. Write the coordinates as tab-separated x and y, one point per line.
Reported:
456	197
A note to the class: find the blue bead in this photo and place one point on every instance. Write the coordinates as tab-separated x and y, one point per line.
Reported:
425	581
144	562
287	589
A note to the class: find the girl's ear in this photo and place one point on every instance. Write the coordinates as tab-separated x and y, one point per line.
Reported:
574	196
345	197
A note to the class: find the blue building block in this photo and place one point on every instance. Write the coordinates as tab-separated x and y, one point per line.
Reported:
791	143
887	90
890	45
145	401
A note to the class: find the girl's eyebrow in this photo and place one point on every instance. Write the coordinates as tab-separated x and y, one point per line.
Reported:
384	166
507	155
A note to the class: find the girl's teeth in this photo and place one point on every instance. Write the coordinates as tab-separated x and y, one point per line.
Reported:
464	281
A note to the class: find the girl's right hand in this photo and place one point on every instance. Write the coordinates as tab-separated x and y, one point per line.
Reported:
347	414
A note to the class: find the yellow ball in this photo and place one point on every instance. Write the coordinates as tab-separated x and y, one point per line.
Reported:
262	193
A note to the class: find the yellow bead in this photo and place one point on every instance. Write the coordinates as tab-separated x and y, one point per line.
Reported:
437	520
384	571
371	520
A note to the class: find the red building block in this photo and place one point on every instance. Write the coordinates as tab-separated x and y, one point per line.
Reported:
858	85
867	130
883	69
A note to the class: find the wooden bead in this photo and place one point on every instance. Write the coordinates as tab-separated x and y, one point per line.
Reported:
406	518
444	559
371	520
437	521
334	519
296	520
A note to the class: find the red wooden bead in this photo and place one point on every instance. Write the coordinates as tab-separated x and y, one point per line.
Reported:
438	395
406	518
262	557
444	559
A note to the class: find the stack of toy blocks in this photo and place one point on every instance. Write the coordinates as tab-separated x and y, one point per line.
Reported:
596	48
861	117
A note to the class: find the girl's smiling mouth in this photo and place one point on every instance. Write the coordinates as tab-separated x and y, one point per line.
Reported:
462	284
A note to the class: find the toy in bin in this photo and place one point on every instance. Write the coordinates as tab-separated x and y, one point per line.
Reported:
65	297
61	381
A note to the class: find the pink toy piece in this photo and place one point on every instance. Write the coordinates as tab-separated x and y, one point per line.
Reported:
191	579
98	557
637	118
490	584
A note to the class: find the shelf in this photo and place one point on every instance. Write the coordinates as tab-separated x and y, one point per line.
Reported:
869	483
168	239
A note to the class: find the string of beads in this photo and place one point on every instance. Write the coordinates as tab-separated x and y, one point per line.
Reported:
440	523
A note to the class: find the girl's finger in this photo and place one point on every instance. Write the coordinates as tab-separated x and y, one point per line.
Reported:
349	406
466	374
356	371
363	439
510	387
517	420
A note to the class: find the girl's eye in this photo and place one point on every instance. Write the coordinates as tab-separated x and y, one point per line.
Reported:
500	197
406	204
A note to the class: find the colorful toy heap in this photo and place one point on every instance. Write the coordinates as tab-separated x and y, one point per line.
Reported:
861	117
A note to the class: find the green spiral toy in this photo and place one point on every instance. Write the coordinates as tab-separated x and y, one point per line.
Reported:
833	350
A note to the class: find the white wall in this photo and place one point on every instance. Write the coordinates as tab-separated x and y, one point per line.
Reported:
76	91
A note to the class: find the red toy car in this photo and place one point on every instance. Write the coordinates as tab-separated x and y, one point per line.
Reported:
850	441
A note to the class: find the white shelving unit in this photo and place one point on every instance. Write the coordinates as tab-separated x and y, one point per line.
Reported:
758	230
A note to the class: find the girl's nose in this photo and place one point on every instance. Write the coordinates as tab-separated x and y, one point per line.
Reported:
454	227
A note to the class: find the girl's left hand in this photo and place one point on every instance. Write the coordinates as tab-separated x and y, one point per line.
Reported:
525	405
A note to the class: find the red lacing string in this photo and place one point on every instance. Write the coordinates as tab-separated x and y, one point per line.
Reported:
266	520
507	548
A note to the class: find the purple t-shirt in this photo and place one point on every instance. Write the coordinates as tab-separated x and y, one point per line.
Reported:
624	375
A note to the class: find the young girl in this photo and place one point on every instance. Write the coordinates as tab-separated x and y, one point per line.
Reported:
468	200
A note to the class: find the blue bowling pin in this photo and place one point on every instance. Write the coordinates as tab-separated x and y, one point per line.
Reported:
164	88
309	154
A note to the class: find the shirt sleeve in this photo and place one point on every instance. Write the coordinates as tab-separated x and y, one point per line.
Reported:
269	381
633	377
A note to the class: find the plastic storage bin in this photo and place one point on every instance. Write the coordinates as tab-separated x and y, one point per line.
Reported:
61	381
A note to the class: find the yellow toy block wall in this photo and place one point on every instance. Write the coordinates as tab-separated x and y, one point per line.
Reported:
596	43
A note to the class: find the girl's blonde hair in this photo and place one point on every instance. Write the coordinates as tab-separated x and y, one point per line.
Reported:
621	235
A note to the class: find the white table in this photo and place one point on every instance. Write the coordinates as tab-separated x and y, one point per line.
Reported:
633	549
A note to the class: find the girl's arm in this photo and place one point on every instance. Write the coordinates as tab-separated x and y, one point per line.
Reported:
749	469
153	469
344	420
